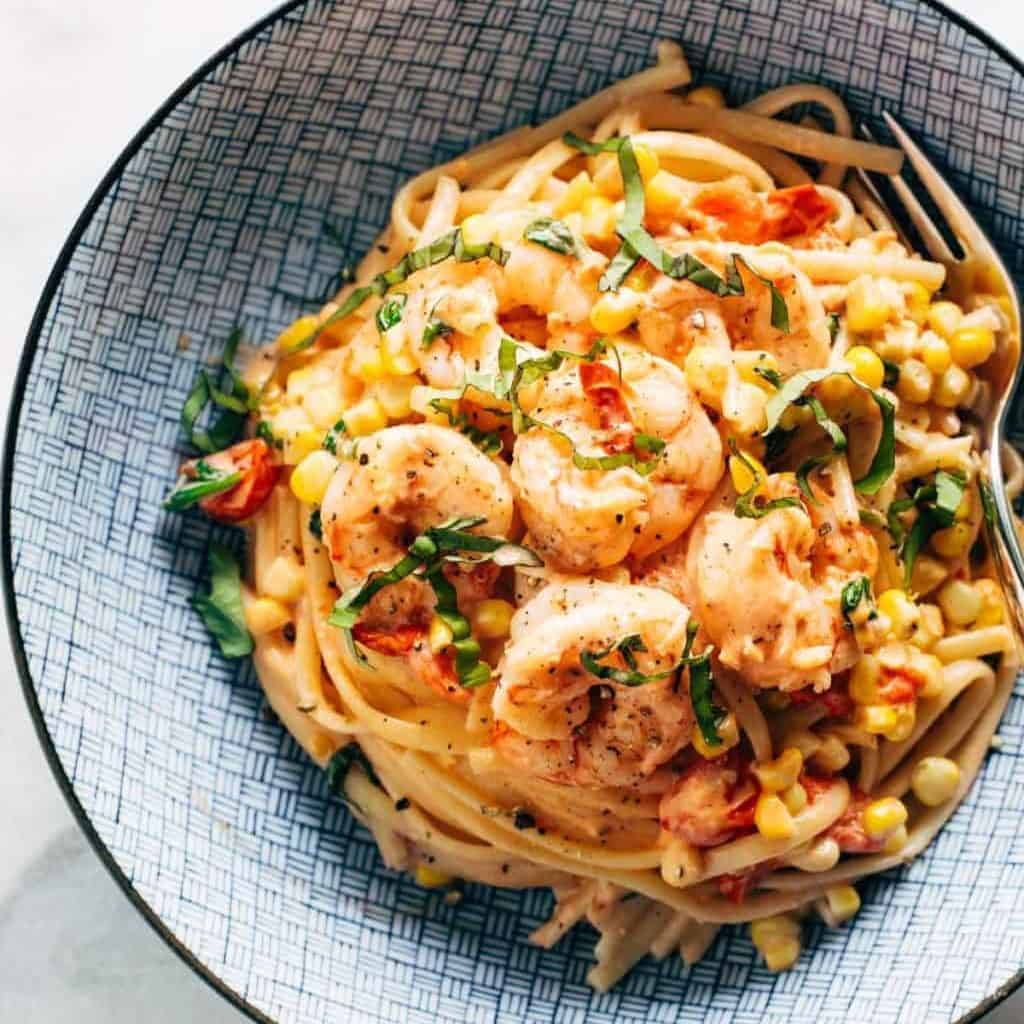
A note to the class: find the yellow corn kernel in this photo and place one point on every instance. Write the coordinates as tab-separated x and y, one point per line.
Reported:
866	306
843	902
935	354
615	311
369	367
884	816
832	756
915	383
772	818
748	363
900	610
395	396
296	332
906	719
952	541
398	361
768	929
944	318
299	382
311	476
706	96
728	734
952	387
478	229
782	954
431	878
818	855
579	189
897	840
646	161
960	602
929	670
991	603
795	798
875	718
439	636
284	580
930	626
781	773
300	444
707	371
972	346
795	416
835	391
264	615
662	194
866	366
324	406
492	617
935	780
918	300
743	473
598	218
365	417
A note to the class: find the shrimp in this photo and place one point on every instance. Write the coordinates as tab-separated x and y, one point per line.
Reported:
586	519
401	481
712	801
682	315
767	591
557	721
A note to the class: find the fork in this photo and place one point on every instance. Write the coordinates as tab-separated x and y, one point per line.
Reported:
1003	370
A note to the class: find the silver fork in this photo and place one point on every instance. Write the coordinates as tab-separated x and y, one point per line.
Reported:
1004	368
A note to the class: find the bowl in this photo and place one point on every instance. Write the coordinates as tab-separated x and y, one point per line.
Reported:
202	807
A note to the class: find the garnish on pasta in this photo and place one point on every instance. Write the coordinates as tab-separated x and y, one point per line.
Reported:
221	609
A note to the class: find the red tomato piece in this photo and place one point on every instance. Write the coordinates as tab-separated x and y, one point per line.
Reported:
253	459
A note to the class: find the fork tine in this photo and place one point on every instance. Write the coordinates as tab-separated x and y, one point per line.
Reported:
930	234
960	221
875	197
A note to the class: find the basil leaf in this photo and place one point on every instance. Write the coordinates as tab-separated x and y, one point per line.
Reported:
553	234
235	403
629	676
871	518
779	314
265	432
316	524
649	443
208	483
838	447
619	268
434	329
348	607
708	714
592	148
853	593
390	312
221	609
342	761
772	376
747	506
833	326
988	501
936	504
891	376
469	669
489	443
334	435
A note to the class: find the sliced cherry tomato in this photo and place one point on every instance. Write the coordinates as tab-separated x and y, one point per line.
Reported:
603	388
836	701
395	640
253	459
801	210
896	687
745	216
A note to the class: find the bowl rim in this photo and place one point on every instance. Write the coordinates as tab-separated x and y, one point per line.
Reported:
25	363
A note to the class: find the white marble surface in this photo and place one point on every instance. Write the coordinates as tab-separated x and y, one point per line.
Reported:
76	82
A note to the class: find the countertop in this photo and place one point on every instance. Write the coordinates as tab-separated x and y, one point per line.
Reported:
77	81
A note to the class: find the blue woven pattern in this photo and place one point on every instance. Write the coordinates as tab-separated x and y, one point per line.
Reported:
207	806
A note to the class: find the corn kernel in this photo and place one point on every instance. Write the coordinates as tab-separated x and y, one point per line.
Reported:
300	444
866	307
906	719
795	798
935	780
295	332
972	346
781	773
818	855
915	383
865	366
284	580
795	416
431	878
614	312
953	541
930	626
772	818
706	96
749	362
646	161
843	902
960	602
744	474
918	300
369	366
707	372
598	218
300	382
440	635
395	396
310	478
900	610
834	391
935	354
884	816
264	615
832	756
478	229
991	603
768	929
897	840
952	388
365	417
662	194
876	719
944	318
579	189
324	406
782	954
728	735
492	617
398	361
929	670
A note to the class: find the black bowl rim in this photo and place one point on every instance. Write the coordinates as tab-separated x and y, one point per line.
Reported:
6	476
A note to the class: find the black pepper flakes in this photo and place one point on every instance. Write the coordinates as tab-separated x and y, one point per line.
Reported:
523	819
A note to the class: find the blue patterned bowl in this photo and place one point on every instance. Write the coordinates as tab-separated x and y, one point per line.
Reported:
205	812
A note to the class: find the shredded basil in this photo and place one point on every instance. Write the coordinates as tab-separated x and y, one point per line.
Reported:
489	443
936	504
342	761
856	591
772	376
838	439
593	148
619	269
207	482
891	375
553	234
316	524
871	518
390	312
265	432
833	326
221	609
433	330
747	506
627	649
334	435
469	669
988	501
233	399
709	715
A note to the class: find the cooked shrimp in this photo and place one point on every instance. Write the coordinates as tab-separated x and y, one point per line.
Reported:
401	481
682	315
585	519
555	720
767	591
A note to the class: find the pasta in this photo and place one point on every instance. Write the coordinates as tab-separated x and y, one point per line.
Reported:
618	529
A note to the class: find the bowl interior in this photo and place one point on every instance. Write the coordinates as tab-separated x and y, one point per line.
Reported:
214	217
